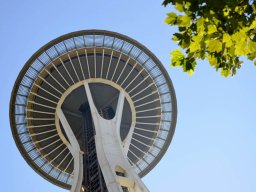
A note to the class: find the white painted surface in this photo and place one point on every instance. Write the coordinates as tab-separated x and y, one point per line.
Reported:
110	150
74	148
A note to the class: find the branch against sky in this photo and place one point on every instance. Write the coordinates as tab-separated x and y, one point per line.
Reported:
221	31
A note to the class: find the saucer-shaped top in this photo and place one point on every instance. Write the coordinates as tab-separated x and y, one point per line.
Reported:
109	62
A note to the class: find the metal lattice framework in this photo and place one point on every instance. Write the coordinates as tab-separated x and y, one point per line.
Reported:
93	56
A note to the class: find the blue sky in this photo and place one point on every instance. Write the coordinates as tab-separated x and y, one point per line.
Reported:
213	148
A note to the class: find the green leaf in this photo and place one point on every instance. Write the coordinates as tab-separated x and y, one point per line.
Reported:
233	71
179	7
171	18
255	63
183	21
177	37
178	58
239	36
185	42
232	50
252	46
253	24
195	44
216	21
254	7
227	39
200	26
190	72
240	48
225	72
226	11
211	29
239	10
213	60
197	38
189	66
200	22
251	56
214	45
187	4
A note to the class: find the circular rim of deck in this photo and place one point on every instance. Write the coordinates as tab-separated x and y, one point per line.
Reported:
83	33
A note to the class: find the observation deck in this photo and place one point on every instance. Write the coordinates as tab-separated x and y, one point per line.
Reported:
109	62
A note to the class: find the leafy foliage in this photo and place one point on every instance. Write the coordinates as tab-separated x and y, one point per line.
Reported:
218	30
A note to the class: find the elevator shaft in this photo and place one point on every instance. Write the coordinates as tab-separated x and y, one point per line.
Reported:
93	180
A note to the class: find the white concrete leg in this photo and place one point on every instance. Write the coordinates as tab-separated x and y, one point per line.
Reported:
110	152
74	148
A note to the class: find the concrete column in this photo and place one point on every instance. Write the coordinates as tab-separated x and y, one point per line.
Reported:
111	154
74	148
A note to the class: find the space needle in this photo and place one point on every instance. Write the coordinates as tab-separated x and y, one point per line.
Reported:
93	111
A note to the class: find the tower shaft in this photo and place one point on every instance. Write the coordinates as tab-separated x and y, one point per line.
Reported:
93	179
117	171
